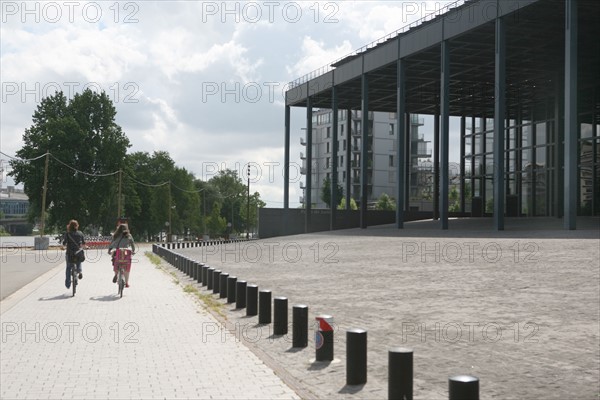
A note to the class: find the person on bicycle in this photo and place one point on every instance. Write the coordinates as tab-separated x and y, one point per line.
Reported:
121	240
74	241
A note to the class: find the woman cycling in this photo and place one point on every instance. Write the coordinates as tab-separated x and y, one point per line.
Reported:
122	240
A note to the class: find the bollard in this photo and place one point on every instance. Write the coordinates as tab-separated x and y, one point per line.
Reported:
280	316
400	373
231	283
463	387
300	325
264	307
240	294
251	300
324	338
205	274
356	356
209	274
199	271
223	285
216	280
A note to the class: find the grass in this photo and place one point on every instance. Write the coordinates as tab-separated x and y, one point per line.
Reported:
208	300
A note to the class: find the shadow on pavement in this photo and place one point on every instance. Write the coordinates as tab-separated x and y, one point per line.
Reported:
351	389
110	297
60	297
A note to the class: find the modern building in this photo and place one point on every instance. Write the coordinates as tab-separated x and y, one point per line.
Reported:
522	77
381	157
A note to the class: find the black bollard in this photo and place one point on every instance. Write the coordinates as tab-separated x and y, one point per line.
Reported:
280	316
324	338
463	387
216	280
356	356
223	285
205	274
300	325
400	373
200	269
231	283
251	300
209	283
264	304
240	294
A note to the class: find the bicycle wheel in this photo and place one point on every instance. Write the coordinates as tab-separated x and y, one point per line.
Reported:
74	279
121	282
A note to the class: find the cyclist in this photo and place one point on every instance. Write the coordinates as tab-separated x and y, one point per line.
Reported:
121	240
74	241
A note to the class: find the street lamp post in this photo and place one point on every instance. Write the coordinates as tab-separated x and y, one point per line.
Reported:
248	209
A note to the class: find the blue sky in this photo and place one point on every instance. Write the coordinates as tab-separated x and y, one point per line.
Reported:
204	81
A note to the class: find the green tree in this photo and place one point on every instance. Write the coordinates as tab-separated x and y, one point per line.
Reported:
86	145
326	192
232	193
215	223
255	204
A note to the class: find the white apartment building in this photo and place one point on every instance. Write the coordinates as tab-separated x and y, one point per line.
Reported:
382	155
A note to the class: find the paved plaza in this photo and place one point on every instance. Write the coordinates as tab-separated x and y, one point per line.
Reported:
519	309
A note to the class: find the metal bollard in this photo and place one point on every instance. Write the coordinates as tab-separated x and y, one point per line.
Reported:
231	283
199	271
216	280
300	325
205	274
240	294
463	387
324	338
251	300
264	307
280	316
356	356
400	373
223	285
209	274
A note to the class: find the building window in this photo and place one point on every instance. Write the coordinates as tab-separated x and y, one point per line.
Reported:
342	130
327	162
328	131
391	161
344	144
391	129
341	161
328	144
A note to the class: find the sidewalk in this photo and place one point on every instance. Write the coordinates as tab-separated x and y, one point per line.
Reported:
152	343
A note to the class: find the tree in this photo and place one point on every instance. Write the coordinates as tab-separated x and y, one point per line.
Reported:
87	148
216	224
326	192
385	203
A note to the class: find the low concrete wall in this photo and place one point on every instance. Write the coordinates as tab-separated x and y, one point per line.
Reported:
276	222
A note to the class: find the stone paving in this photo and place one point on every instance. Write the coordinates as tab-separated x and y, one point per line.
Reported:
519	309
147	345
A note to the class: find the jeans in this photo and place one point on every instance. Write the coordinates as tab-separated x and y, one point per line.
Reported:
68	272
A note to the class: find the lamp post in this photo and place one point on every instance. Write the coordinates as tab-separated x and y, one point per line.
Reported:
248	209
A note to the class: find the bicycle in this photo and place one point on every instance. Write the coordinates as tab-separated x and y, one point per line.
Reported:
122	259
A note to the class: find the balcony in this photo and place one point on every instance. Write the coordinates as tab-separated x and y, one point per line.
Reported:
303	141
302	170
302	157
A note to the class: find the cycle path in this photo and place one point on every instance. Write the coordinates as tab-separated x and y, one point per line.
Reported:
149	344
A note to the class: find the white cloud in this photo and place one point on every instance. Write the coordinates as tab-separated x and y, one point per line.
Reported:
155	66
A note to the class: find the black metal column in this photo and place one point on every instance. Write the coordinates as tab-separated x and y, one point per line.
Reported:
499	120
444	132
364	154
401	132
570	181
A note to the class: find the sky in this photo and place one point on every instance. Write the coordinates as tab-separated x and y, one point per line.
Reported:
203	80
